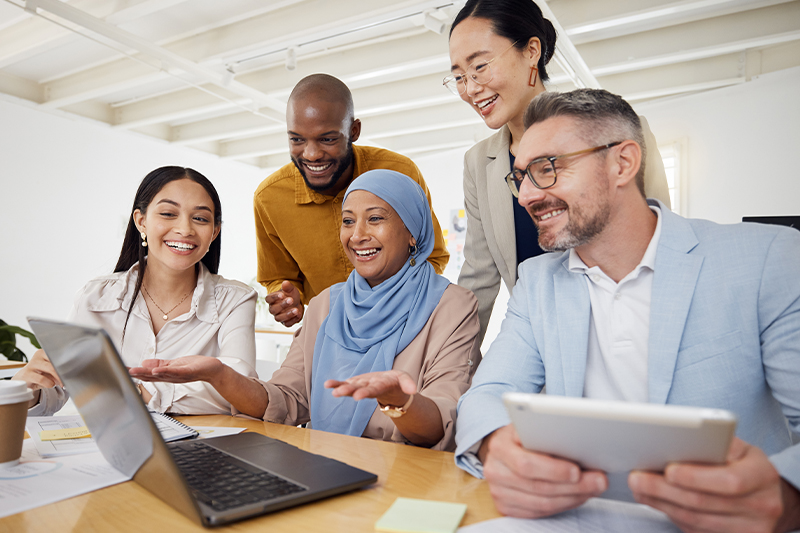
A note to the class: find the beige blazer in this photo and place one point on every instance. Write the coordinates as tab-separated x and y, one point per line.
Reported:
441	358
490	251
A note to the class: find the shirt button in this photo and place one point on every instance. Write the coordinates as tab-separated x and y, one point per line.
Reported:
595	278
617	296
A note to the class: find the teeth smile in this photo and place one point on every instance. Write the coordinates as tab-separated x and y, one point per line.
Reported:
366	253
318	168
181	245
551	214
484	103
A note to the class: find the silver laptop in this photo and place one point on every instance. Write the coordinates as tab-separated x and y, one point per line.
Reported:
212	481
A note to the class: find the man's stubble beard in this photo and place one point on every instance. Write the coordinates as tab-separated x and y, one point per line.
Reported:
341	168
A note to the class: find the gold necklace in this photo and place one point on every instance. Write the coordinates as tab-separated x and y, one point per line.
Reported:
166	313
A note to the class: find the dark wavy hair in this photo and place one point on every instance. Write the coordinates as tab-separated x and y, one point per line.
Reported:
517	21
132	249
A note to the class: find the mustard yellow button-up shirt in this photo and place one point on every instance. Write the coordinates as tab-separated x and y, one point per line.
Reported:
297	229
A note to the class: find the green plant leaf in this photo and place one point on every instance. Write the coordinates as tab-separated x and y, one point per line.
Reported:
10	351
16	330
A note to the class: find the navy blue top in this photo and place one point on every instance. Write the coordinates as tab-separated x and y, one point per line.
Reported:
527	236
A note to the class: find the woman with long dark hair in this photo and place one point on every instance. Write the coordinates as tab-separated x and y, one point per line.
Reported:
499	50
165	299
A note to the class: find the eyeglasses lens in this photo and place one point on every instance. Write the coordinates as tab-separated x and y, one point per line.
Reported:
543	173
480	73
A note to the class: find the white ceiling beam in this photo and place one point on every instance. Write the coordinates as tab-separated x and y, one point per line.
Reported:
682	89
361	68
21	87
439	139
398	59
697	53
254	146
702	35
166	108
227	127
453	115
206	50
448	117
166	58
322	20
413	93
651	18
567	56
35	35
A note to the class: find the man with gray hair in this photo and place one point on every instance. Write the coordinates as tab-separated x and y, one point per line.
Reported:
642	306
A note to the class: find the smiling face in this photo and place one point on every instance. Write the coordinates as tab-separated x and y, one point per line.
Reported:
577	208
321	135
505	97
179	224
374	237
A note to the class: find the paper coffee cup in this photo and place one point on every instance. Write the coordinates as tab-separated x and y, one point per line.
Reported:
14	398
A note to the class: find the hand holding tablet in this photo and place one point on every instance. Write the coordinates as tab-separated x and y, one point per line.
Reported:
617	437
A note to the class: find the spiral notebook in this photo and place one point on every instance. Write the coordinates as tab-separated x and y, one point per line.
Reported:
171	429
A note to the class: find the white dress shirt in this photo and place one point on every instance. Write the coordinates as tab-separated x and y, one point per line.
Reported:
220	323
619	330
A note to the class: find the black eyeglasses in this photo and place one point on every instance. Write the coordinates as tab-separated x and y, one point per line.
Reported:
542	171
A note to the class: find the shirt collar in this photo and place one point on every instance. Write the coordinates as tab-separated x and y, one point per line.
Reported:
118	296
576	264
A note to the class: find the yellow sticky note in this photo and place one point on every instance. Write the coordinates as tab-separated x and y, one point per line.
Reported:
408	515
63	434
461	213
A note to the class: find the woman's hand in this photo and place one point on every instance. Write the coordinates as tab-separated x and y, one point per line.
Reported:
38	374
180	370
392	387
243	393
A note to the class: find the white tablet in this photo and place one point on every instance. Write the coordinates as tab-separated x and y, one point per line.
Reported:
617	437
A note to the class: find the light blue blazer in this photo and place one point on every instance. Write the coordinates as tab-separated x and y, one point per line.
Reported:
724	333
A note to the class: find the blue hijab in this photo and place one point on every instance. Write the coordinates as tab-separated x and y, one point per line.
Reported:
367	327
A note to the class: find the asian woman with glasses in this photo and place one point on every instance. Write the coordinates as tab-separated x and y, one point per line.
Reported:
499	51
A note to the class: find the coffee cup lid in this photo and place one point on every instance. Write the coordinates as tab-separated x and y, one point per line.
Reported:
14	392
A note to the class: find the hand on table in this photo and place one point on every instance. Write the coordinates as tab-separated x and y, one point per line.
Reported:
746	494
392	387
38	374
526	484
286	305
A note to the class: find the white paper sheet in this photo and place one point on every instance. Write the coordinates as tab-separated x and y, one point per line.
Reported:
595	516
56	448
208	432
36	481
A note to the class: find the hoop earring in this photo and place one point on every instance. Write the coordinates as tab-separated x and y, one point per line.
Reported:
532	78
144	239
413	251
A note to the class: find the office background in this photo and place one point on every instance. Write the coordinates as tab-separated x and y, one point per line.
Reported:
68	182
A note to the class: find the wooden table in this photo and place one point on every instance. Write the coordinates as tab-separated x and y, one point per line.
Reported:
404	471
9	368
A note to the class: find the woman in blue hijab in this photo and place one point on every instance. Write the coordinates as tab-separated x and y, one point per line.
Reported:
384	355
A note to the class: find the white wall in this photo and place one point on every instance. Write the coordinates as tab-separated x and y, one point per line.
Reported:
67	191
742	146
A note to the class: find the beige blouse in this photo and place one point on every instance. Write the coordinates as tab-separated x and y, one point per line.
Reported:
442	359
220	323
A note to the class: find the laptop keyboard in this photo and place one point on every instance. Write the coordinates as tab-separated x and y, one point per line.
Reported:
222	481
